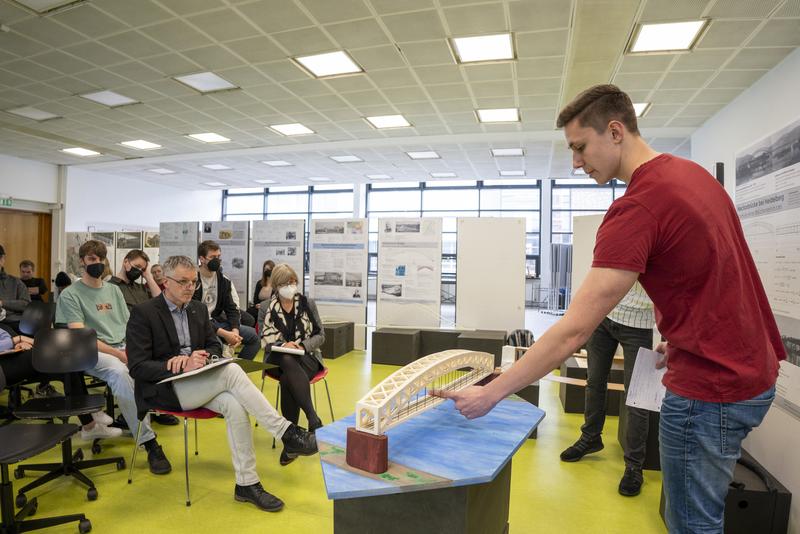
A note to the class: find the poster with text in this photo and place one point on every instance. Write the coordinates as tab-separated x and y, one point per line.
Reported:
233	238
339	261
178	239
126	241
281	242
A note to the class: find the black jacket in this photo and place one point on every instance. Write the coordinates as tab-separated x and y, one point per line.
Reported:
226	309
152	339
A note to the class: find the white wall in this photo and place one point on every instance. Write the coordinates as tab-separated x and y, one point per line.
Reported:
113	203
28	180
768	105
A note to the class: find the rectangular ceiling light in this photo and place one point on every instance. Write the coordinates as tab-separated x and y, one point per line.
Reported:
330	64
443	175
277	163
291	129
423	154
215	184
109	98
667	37
378	176
206	82
641	108
498	115
83	152
265	181
209	137
41	7
346	159
161	170
512	173
388	121
503	152
217	167
33	113
140	144
319	179
496	47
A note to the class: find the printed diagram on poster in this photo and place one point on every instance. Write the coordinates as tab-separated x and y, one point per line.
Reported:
339	261
281	242
233	239
178	239
768	203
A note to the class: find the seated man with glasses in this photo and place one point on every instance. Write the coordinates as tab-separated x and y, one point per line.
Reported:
171	334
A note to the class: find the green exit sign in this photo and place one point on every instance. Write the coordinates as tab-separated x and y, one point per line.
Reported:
6	202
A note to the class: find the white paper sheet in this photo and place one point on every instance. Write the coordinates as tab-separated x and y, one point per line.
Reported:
646	390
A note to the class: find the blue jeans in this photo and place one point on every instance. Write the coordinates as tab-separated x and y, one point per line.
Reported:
250	340
700	443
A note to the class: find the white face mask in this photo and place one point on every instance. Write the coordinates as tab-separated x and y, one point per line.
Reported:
288	292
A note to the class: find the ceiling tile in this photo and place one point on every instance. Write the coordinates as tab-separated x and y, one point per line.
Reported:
136	13
379	57
547	43
727	33
11	79
637	81
431	53
96	53
187	7
673	10
48	31
358	34
448	91
701	110
326	102
758	58
440	74
540	67
32	70
422	108
527	15
134	44
487	72
673	96
345	84
224	25
177	35
365	98
256	49
684	122
305	41
479	19
702	59
307	88
736	9
244	76
212	58
406	94
538	101
781	32
393	78
171	64
282	71
393	6
708	96
499	88
20	45
90	21
736	78
648	63
275	15
686	80
541	86
325	11
136	71
416	26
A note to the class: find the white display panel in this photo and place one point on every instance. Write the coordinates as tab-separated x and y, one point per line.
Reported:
126	241
281	242
584	235
178	239
233	238
490	273
409	272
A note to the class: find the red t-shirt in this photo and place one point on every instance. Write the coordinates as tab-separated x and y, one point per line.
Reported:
678	228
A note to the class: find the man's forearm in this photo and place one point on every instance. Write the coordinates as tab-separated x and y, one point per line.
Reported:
105	348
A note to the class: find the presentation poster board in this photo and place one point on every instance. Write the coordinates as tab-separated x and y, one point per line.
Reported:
490	273
338	277
233	238
178	239
768	203
281	242
409	272
73	262
126	241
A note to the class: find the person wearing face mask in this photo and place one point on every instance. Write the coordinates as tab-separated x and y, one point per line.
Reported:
292	321
262	292
216	291
92	303
136	267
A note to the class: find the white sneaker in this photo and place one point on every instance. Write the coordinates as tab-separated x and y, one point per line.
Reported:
102	418
99	431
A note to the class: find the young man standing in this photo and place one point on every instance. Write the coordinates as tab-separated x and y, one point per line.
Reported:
37	287
14	297
92	303
216	291
678	233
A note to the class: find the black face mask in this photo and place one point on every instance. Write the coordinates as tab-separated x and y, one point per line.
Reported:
133	274
95	270
267	273
214	265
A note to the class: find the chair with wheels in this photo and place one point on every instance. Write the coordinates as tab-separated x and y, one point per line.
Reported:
20	442
62	352
199	413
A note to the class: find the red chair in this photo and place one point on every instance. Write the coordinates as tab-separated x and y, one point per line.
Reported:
199	413
313	382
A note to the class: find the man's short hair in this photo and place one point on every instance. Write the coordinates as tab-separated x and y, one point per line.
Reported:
27	263
599	105
205	247
136	254
173	262
93	247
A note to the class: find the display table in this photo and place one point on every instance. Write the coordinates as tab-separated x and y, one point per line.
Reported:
446	473
395	346
573	398
490	341
338	339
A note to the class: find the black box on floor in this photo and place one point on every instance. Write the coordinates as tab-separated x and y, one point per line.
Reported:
652	459
753	504
490	341
573	398
531	394
395	346
432	341
338	339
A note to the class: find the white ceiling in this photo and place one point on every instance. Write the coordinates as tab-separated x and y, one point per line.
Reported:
135	47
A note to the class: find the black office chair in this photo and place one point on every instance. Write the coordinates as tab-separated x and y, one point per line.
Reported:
20	442
37	315
63	352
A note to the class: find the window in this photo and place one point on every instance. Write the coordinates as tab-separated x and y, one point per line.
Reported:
579	196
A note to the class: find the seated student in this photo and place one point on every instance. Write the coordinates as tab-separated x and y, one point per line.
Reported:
216	291
92	303
292	321
18	366
136	265
37	288
262	292
62	282
14	297
171	334
158	275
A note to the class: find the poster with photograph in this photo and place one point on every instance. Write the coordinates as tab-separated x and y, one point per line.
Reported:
126	241
178	239
151	241
233	238
409	271
109	239
73	263
281	242
768	203
339	261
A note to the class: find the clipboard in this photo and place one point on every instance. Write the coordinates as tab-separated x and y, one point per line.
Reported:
288	350
207	367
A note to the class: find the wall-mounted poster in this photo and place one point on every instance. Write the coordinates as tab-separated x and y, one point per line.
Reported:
73	262
339	261
178	239
150	244
233	238
126	241
281	242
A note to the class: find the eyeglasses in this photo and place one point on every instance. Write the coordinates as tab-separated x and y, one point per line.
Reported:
185	283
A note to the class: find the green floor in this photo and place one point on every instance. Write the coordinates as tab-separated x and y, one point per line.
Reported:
547	495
